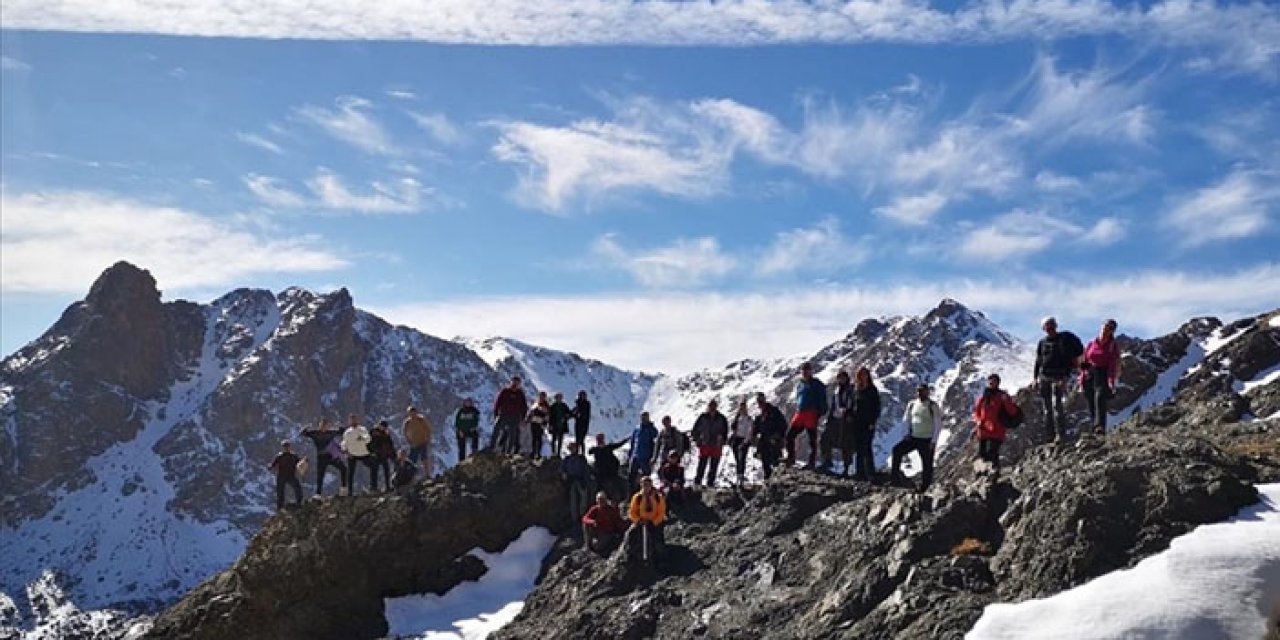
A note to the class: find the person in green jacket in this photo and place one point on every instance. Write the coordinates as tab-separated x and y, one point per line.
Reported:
466	426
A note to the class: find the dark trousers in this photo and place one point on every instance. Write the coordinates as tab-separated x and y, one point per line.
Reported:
634	539
281	483
1098	393
557	443
989	450
769	452
323	462
463	438
505	438
792	433
579	498
709	465
580	427
376	463
1051	392
739	446
598	541
353	464
861	450
923	446
535	440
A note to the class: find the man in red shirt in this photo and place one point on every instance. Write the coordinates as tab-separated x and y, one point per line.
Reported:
509	409
602	525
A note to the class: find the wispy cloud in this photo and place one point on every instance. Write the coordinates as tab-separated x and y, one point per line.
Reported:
351	122
1241	36
401	94
438	126
913	210
676	332
8	63
255	140
1020	233
1097	104
327	191
684	263
1237	207
89	231
822	248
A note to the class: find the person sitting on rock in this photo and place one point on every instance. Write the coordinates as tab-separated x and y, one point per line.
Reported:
405	470
576	474
647	513
994	406
328	454
923	418
671	475
605	466
602	525
285	465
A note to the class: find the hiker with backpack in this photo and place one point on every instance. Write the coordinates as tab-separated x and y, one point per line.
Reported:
740	439
539	415
1056	356
383	448
417	432
811	405
576	474
994	412
285	465
671	440
710	433
559	425
839	432
509	410
581	418
1099	368
648	512
643	443
466	428
355	441
768	434
923	419
328	454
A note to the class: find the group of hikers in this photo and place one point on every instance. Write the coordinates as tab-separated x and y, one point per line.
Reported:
850	412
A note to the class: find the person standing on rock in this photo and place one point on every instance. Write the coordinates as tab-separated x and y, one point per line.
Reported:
1056	356
670	440
355	441
602	525
509	410
417	432
328	454
539	415
643	442
581	418
710	433
406	469
866	412
648	511
839	432
994	406
285	465
466	428
811	405
768	434
923	418
576	474
740	439
383	448
1099	368
559	425
605	466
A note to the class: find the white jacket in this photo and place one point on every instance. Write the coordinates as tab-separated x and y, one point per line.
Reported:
932	426
356	441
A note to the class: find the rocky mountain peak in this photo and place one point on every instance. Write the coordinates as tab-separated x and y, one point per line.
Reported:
122	286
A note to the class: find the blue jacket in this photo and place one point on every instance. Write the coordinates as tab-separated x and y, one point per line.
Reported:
575	468
643	440
811	396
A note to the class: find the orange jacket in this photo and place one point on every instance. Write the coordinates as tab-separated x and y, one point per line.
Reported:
652	509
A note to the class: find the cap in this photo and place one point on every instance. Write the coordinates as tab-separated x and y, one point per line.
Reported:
1049	320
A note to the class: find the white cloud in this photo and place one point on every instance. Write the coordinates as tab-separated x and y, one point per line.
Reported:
1237	207
1051	182
439	126
255	140
1097	104
822	248
269	191
685	263
350	122
8	63
401	94
1020	233
58	242
402	196
913	210
1228	35
962	159
680	332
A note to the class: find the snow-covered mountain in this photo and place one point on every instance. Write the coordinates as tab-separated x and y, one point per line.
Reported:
136	432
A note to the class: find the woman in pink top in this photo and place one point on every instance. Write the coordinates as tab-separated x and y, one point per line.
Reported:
1098	370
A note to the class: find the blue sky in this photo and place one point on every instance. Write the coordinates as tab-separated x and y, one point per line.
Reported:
663	186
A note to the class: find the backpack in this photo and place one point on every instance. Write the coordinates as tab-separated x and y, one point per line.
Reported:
1012	420
1072	348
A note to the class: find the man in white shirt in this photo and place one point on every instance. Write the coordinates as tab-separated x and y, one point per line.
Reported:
355	440
923	418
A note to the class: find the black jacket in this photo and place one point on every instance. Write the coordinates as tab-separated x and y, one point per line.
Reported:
866	405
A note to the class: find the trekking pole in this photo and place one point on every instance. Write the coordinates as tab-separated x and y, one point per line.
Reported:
644	547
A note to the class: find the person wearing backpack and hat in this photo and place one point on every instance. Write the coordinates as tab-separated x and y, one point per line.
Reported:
1056	356
992	413
923	418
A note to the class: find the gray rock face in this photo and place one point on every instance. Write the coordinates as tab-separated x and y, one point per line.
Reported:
322	571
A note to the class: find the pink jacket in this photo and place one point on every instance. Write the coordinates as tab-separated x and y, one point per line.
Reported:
1103	355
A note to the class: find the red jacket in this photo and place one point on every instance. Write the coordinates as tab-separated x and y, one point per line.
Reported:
987	414
605	519
510	402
